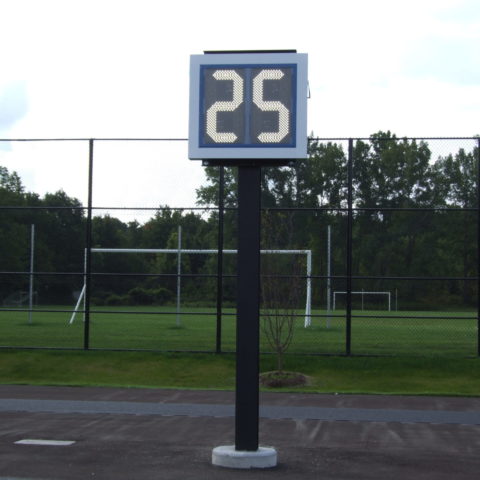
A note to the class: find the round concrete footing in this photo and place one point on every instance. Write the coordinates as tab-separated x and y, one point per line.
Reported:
227	456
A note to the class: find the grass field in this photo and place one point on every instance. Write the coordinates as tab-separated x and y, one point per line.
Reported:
416	333
373	375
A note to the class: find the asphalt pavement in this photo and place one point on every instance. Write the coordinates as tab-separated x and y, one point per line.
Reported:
53	433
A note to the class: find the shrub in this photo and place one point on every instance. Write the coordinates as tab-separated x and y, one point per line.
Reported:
117	300
141	296
149	296
162	295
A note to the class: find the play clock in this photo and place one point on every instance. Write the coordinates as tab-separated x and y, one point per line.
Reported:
248	106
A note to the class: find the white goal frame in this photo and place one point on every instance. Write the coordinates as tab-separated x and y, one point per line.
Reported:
362	292
180	251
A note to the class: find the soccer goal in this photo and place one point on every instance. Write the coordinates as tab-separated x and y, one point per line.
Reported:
363	294
180	251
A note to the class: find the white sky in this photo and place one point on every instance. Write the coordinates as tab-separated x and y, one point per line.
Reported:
119	68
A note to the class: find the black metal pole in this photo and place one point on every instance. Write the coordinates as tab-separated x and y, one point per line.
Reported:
221	208
478	246
248	306
348	331
88	249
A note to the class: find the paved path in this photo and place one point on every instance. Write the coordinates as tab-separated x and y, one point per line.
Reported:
220	410
169	434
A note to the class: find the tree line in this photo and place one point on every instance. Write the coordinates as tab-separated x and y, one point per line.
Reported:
414	216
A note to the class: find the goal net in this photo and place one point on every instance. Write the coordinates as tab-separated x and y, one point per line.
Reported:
364	295
179	252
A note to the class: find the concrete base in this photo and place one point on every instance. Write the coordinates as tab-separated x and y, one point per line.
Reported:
227	456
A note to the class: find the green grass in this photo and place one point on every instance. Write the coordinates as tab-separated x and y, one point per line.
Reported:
430	352
379	335
379	375
129	369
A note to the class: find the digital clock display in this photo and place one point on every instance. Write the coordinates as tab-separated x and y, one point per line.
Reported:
248	106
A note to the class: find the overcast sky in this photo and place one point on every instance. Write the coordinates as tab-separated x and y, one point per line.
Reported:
118	68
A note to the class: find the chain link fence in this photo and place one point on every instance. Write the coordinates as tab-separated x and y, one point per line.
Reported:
114	244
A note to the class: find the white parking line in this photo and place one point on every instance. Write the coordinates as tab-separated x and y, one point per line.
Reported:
50	443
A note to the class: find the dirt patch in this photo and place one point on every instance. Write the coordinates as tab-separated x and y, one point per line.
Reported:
279	379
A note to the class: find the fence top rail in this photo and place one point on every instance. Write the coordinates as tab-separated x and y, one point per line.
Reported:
265	209
185	139
99	139
187	250
364	292
396	139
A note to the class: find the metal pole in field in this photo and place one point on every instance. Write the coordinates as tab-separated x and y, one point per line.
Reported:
179	272
329	272
88	249
30	293
221	211
248	308
308	306
348	332
478	246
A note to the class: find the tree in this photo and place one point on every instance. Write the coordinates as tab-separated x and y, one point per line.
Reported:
162	232
208	194
389	173
456	178
319	181
280	302
59	238
59	245
456	186
10	182
14	235
281	293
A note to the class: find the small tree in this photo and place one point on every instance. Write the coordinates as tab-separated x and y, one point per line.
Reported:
280	301
280	297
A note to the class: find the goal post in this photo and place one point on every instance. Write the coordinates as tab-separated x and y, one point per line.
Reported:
180	251
363	293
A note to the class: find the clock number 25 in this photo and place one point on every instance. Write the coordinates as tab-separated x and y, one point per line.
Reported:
258	99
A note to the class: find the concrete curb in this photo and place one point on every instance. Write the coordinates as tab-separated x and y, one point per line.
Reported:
227	456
